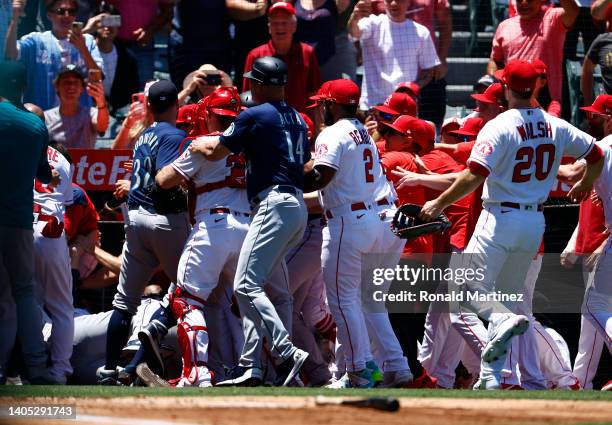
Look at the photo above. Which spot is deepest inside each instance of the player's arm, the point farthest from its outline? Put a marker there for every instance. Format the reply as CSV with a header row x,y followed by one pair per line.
x,y
318,177
311,199
582,189
571,173
431,180
465,184
210,147
168,177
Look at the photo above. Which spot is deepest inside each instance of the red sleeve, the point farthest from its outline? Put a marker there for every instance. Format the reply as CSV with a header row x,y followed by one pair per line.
x,y
476,168
463,152
595,155
248,64
72,219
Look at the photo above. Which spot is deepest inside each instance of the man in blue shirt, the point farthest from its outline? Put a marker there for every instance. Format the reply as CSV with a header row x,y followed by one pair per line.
x,y
273,137
153,237
23,147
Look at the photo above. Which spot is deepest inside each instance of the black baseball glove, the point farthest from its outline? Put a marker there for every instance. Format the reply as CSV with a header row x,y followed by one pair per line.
x,y
168,201
407,224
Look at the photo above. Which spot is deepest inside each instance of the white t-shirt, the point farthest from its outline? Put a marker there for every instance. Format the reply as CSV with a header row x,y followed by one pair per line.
x,y
53,201
109,66
230,169
347,147
392,52
522,150
603,184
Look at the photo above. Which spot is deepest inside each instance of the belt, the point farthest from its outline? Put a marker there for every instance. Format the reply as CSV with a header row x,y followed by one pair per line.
x,y
282,188
357,206
526,207
314,216
228,211
53,228
384,201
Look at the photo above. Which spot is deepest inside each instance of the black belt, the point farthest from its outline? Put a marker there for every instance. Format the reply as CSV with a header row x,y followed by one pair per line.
x,y
314,216
280,188
518,206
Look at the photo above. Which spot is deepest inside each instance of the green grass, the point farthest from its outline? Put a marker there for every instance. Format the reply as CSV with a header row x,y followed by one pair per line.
x,y
102,391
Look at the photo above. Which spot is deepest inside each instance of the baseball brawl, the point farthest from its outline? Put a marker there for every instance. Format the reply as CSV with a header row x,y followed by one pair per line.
x,y
295,209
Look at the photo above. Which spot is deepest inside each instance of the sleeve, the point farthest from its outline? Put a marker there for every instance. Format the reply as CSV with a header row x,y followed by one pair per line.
x,y
578,144
328,150
365,27
497,49
168,149
593,53
72,218
239,132
26,45
43,171
94,51
388,160
464,151
554,14
488,151
186,165
428,57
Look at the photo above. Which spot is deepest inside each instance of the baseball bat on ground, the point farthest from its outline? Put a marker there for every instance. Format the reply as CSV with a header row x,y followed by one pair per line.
x,y
386,404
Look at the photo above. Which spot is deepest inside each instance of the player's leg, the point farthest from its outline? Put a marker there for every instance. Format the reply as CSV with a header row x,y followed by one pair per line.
x,y
554,358
8,320
52,269
598,298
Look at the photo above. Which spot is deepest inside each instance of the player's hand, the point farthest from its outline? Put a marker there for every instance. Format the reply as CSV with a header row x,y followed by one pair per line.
x,y
421,165
55,180
430,210
96,90
122,189
590,261
144,36
202,146
580,191
595,199
371,125
568,259
408,178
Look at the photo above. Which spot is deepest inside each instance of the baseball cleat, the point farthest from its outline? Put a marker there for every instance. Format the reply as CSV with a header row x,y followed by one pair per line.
x,y
498,345
375,373
287,370
361,379
150,378
423,381
397,379
242,377
608,386
149,338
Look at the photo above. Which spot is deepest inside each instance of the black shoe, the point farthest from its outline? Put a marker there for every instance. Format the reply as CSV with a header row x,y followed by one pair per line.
x,y
149,378
242,377
150,337
287,370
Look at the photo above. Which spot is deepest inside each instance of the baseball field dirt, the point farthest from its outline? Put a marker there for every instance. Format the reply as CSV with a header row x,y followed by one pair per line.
x,y
126,406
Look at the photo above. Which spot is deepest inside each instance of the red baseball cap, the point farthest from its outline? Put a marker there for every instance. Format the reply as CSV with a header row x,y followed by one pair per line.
x,y
342,91
223,101
398,104
493,94
519,75
539,66
601,106
470,128
421,131
320,96
186,114
450,122
281,6
408,87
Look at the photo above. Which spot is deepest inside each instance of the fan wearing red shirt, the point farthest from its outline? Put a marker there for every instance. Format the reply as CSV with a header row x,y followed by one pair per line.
x,y
304,74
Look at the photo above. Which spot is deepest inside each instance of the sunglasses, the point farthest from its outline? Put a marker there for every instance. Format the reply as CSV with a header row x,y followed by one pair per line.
x,y
62,11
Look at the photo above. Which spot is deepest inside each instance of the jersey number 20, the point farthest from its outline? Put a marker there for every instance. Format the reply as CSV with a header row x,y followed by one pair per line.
x,y
544,158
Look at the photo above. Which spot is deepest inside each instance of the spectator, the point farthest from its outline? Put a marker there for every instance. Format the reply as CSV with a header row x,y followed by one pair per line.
x,y
436,16
316,25
140,20
26,158
250,29
116,59
535,33
44,53
599,54
343,64
586,26
71,124
304,78
200,34
197,84
9,16
139,118
395,49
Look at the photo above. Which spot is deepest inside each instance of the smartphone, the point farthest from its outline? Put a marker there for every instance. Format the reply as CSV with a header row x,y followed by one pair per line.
x,y
138,97
213,79
111,21
94,76
77,26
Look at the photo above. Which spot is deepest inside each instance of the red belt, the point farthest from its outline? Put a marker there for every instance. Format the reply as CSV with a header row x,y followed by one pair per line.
x,y
357,206
385,201
518,206
53,228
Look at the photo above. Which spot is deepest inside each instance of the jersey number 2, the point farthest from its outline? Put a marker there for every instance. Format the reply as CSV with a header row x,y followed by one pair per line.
x,y
368,160
544,158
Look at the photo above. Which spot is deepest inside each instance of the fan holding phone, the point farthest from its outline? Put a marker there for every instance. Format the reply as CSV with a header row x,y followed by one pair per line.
x,y
202,82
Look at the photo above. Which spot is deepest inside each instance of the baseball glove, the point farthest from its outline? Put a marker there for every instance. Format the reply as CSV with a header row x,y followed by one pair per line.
x,y
170,201
407,224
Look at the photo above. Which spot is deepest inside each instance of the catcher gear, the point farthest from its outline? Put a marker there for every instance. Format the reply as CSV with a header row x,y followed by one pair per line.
x,y
223,101
406,223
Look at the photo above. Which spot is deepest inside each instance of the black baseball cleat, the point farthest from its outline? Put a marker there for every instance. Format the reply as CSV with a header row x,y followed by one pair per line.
x,y
150,378
242,377
287,370
150,337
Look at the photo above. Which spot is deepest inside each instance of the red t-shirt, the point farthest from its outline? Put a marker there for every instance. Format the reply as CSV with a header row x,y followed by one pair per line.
x,y
304,76
591,227
412,195
81,217
441,163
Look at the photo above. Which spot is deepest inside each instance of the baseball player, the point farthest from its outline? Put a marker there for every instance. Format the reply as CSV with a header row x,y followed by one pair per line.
x,y
347,167
273,138
516,155
52,260
210,255
152,237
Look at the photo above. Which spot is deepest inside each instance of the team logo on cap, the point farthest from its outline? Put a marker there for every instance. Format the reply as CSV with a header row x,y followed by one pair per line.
x,y
483,148
229,131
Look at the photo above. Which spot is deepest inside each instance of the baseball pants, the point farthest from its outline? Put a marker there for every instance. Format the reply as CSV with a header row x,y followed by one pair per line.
x,y
278,224
19,314
54,279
